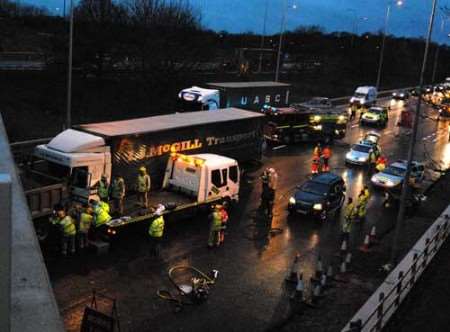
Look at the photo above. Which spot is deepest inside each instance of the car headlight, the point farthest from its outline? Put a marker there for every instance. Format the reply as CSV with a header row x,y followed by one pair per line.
x,y
362,159
317,206
292,200
389,183
317,118
394,94
318,127
402,95
348,155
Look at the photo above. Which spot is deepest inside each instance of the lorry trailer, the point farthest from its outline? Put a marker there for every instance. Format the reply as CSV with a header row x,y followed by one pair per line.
x,y
246,95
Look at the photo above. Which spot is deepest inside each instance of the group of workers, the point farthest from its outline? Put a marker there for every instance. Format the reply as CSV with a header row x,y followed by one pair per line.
x,y
355,211
269,180
78,223
321,159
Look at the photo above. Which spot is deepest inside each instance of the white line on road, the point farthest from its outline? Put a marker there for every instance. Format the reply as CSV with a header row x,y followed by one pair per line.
x,y
279,147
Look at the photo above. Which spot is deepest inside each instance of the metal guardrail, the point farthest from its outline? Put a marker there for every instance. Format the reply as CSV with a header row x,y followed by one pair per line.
x,y
22,150
380,307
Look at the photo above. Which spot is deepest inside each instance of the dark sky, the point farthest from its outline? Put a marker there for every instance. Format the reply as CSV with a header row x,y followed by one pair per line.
x,y
410,19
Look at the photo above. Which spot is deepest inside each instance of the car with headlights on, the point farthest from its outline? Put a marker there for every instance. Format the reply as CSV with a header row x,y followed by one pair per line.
x,y
400,95
375,115
359,153
394,174
321,196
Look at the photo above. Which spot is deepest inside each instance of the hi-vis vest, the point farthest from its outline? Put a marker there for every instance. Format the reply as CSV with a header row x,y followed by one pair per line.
x,y
101,216
156,228
103,190
217,221
104,206
68,226
85,222
143,183
118,188
350,211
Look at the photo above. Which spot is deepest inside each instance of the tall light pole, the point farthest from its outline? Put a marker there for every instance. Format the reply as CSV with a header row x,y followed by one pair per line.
x,y
69,72
280,42
436,54
386,21
412,143
261,46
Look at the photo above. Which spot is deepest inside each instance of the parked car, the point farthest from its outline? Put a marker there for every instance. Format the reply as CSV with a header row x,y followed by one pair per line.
x,y
376,115
321,196
359,154
394,174
371,137
400,95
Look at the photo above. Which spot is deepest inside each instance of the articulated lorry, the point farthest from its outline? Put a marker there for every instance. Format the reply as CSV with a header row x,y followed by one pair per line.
x,y
192,159
246,95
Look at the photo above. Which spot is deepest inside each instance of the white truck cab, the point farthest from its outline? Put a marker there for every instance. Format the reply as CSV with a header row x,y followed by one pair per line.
x,y
203,176
196,98
85,156
364,96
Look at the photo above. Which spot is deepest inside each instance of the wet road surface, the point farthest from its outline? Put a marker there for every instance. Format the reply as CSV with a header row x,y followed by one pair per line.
x,y
250,292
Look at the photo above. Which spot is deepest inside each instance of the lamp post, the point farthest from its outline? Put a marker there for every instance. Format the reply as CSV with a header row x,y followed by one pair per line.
x,y
262,37
386,22
69,71
412,142
280,41
436,54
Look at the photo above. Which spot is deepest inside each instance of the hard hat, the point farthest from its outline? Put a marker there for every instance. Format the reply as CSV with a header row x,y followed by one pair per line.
x,y
142,169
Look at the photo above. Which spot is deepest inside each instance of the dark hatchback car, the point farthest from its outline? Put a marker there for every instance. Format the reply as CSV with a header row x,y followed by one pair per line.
x,y
321,196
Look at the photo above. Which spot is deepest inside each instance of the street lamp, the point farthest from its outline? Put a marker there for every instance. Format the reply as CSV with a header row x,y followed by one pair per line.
x,y
280,41
262,37
436,54
386,21
69,71
412,142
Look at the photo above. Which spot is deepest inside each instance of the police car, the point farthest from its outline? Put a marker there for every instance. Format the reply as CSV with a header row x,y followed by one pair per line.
x,y
375,116
394,174
359,153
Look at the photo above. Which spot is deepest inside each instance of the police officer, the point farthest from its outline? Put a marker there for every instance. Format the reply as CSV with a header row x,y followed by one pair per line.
x,y
118,194
68,232
362,205
156,232
144,184
103,189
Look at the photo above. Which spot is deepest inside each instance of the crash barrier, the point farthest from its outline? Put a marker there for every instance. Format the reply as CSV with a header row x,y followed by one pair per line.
x,y
380,307
22,150
384,93
33,306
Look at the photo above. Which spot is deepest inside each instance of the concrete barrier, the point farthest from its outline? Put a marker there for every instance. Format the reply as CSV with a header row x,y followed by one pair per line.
x,y
384,302
33,305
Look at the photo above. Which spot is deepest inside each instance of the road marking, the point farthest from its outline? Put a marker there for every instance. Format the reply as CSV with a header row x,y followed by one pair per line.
x,y
279,147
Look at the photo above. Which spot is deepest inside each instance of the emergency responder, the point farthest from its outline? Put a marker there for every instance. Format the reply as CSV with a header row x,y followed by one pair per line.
x,y
144,184
381,163
156,232
101,216
352,112
103,189
367,192
266,192
361,206
118,194
315,165
86,220
326,155
317,152
349,217
273,184
224,215
68,232
215,226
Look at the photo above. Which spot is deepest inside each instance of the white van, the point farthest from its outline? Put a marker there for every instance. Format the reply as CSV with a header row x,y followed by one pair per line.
x,y
365,96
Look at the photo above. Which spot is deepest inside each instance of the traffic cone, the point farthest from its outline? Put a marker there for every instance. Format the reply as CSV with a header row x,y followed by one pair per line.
x,y
323,281
348,258
373,235
366,244
299,290
319,268
293,274
330,272
315,293
343,248
343,268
